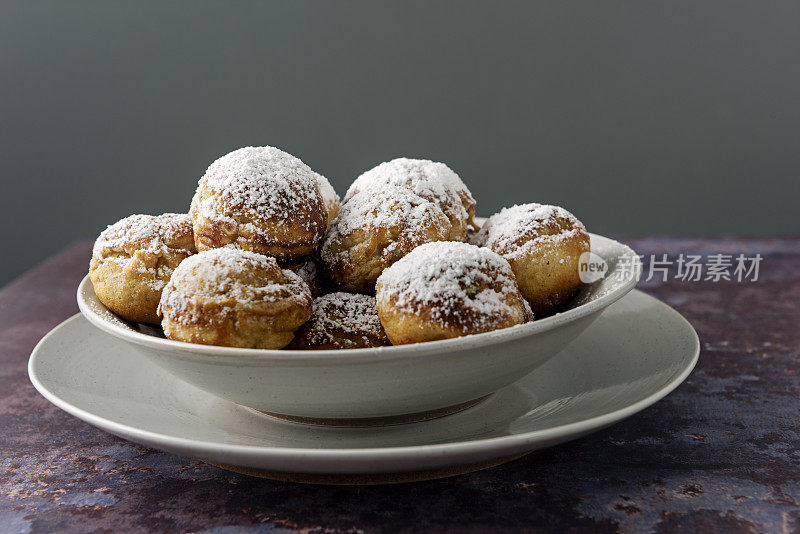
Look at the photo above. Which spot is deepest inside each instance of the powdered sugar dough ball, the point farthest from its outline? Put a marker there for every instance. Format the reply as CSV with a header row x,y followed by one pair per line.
x,y
133,259
543,244
446,290
260,199
342,321
430,180
234,298
377,226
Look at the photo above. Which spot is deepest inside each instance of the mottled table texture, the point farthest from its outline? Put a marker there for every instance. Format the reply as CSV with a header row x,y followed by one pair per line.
x,y
719,454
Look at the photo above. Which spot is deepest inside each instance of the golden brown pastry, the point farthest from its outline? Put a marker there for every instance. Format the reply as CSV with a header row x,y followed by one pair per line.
x,y
342,321
263,200
376,227
432,181
234,298
329,197
543,244
446,290
133,259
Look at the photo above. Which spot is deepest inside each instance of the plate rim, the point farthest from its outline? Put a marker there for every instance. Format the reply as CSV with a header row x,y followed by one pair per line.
x,y
249,455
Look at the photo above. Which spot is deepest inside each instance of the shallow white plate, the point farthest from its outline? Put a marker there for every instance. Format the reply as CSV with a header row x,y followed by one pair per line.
x,y
636,352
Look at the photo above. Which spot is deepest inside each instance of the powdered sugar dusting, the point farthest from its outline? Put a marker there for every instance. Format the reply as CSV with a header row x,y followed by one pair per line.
x,y
385,206
351,314
456,283
146,244
431,180
230,277
153,233
261,183
380,207
522,229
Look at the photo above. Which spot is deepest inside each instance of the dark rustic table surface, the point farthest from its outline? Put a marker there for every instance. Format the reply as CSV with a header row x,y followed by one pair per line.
x,y
721,453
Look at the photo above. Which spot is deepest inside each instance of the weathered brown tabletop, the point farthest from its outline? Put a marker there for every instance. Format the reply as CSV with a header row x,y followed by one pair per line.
x,y
721,453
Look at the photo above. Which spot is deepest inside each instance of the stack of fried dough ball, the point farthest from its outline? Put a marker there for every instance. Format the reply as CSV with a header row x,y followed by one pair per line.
x,y
269,258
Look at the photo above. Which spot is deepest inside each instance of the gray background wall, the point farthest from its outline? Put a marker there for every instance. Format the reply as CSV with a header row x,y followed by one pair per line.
x,y
640,117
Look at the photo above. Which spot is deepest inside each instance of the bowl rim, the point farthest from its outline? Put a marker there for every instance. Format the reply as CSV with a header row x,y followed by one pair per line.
x,y
235,355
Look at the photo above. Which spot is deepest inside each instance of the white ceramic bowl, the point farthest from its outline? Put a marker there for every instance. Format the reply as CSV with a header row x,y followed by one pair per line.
x,y
402,383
